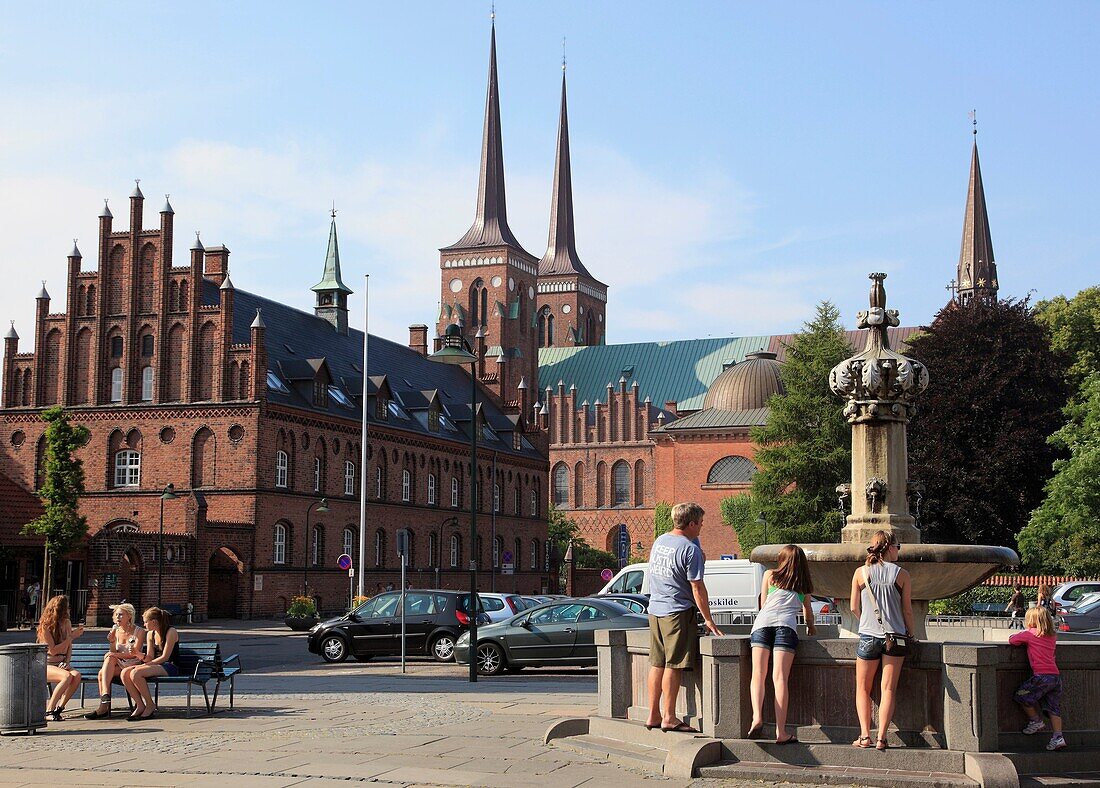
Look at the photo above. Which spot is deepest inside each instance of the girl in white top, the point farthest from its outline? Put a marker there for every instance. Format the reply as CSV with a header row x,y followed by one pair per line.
x,y
785,595
125,641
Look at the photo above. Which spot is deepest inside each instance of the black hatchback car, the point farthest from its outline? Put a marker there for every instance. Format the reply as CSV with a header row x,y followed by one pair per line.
x,y
433,622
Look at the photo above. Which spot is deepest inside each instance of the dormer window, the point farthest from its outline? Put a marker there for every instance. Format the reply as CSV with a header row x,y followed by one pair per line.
x,y
382,408
320,393
433,419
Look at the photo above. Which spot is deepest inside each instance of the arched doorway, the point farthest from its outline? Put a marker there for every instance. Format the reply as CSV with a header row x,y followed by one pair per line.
x,y
223,584
129,578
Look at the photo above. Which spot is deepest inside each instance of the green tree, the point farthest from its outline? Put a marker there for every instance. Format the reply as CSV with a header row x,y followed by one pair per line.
x,y
63,483
979,439
1074,326
1063,535
740,513
560,531
662,518
805,449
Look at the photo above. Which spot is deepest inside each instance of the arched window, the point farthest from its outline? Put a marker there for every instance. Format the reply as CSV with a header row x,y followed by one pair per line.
x,y
378,482
456,550
578,485
496,497
433,550
498,548
549,330
116,347
349,542
316,474
379,547
534,503
147,346
278,555
127,468
349,478
454,492
534,553
479,304
282,465
146,384
116,384
639,483
620,484
732,470
601,484
406,486
431,489
315,546
561,485
203,453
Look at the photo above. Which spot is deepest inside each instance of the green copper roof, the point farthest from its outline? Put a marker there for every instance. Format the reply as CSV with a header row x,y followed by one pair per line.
x,y
679,371
331,280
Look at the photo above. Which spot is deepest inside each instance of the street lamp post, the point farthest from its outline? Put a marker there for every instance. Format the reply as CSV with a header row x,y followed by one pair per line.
x,y
454,352
169,494
764,523
322,506
439,547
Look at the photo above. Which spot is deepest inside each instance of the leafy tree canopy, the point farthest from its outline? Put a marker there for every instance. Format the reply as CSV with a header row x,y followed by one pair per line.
x,y
739,512
805,449
1074,326
662,518
561,531
979,439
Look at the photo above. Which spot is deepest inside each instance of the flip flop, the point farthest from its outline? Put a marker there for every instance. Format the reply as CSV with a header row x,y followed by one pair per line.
x,y
792,739
683,727
859,743
754,731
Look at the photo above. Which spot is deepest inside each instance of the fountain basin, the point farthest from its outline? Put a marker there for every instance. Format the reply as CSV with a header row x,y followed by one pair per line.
x,y
937,571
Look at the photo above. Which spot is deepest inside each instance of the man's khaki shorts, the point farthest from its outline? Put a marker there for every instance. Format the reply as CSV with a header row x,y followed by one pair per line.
x,y
673,640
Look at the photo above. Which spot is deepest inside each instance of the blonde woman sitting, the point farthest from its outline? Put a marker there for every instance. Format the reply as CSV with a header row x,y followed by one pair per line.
x,y
124,645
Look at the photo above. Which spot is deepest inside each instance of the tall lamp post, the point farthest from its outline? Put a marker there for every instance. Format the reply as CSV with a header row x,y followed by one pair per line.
x,y
322,506
764,524
453,351
169,494
439,547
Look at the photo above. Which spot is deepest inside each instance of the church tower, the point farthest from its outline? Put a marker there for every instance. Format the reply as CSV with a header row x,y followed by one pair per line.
x,y
977,274
572,303
332,293
489,281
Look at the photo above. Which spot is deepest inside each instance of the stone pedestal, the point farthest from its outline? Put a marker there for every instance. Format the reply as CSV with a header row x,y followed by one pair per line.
x,y
879,462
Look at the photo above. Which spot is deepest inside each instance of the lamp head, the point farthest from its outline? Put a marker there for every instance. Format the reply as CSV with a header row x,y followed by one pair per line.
x,y
169,493
452,350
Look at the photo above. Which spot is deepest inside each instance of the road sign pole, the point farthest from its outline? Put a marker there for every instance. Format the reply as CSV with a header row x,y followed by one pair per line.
x,y
351,588
404,563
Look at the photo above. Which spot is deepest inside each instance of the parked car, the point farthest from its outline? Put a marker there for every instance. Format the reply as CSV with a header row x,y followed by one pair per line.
x,y
1082,618
1066,594
1087,599
433,622
560,633
823,606
534,600
501,607
733,586
635,603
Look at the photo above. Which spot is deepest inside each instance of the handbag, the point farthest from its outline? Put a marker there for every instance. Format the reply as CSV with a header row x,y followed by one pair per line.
x,y
897,645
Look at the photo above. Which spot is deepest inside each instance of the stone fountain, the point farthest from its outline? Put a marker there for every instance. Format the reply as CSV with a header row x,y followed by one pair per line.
x,y
880,387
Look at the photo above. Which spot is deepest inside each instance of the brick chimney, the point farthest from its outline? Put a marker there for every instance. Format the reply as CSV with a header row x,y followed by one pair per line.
x,y
216,267
418,338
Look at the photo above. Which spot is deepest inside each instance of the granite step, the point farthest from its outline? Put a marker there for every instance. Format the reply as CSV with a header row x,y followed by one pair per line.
x,y
835,775
1066,780
1041,762
635,756
803,754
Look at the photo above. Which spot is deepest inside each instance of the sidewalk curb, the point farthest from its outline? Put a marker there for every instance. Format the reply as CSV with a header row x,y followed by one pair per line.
x,y
562,729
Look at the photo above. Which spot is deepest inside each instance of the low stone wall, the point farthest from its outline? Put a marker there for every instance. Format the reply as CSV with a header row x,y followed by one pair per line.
x,y
957,696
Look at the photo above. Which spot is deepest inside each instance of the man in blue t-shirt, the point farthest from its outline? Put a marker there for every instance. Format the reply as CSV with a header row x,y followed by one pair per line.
x,y
676,591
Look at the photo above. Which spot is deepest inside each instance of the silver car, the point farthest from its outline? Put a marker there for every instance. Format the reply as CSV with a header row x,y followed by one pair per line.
x,y
501,607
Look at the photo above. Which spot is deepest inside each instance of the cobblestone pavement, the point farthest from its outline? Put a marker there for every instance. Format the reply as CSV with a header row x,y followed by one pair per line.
x,y
318,724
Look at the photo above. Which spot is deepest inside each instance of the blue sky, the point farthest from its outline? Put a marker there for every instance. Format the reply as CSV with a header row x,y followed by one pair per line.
x,y
733,163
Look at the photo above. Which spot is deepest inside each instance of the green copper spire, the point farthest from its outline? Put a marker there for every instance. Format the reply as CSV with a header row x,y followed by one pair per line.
x,y
331,280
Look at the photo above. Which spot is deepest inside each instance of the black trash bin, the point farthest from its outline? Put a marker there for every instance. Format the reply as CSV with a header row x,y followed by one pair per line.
x,y
23,691
3,618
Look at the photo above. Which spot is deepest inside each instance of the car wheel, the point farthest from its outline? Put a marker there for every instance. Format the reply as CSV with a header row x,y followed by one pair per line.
x,y
490,659
334,648
443,648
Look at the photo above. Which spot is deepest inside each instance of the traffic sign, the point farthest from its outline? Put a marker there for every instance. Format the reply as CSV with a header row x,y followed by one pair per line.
x,y
606,575
727,557
507,568
403,541
344,561
351,571
624,545
507,557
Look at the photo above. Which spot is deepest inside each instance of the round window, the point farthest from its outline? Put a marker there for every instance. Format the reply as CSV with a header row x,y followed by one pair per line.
x,y
531,293
236,432
566,309
496,281
167,435
456,285
18,437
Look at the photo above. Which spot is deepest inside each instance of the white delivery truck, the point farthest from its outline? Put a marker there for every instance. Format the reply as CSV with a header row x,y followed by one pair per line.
x,y
733,586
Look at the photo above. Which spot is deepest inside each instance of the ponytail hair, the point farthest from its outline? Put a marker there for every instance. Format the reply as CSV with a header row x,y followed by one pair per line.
x,y
880,543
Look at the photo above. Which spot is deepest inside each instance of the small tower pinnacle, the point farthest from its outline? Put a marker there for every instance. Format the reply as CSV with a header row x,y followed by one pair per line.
x,y
332,293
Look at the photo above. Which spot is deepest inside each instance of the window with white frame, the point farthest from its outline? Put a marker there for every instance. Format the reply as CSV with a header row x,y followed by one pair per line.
x,y
316,474
454,550
349,541
278,555
431,489
534,553
116,384
127,468
379,547
146,384
406,486
498,547
534,504
349,478
496,497
454,492
433,550
378,482
315,546
282,465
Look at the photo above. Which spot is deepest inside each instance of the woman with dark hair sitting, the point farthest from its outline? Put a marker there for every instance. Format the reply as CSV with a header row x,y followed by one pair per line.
x,y
160,653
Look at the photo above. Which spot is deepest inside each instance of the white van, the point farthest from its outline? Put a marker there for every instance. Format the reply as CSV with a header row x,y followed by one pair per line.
x,y
733,586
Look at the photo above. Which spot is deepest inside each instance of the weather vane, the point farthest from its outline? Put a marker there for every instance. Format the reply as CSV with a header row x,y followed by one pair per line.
x,y
974,120
493,11
563,53
333,212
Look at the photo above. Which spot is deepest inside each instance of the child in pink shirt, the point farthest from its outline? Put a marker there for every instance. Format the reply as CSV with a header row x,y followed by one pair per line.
x,y
1044,688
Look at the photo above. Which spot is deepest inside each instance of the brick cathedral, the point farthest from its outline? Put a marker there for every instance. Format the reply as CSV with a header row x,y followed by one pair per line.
x,y
253,411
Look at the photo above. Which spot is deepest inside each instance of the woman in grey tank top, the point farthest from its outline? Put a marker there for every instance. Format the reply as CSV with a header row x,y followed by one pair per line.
x,y
883,582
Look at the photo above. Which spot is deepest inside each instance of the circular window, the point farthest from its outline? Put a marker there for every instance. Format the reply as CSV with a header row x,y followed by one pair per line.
x,y
566,309
600,318
456,285
236,432
580,310
18,437
167,435
496,281
336,446
531,293
511,283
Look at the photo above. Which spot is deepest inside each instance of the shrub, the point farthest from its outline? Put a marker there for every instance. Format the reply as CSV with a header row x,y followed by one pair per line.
x,y
302,607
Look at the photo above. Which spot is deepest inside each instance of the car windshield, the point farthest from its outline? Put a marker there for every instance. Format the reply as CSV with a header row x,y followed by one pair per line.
x,y
1087,599
1085,607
